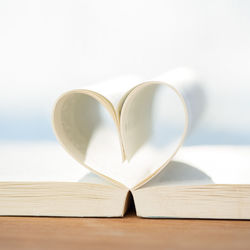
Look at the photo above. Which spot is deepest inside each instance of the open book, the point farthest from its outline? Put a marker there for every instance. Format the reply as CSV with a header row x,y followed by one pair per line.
x,y
127,136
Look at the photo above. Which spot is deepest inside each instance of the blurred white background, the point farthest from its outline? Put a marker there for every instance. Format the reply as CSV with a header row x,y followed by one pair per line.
x,y
48,47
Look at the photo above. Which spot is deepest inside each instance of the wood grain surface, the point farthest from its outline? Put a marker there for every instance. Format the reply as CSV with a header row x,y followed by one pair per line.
x,y
129,232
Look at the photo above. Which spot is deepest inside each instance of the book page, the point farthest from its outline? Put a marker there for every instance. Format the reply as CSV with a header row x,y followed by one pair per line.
x,y
156,117
127,140
41,161
205,165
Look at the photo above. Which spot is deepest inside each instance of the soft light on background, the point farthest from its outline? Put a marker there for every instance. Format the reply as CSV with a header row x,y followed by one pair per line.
x,y
48,47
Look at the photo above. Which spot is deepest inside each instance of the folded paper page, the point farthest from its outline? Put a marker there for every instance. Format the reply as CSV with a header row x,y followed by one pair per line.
x,y
131,140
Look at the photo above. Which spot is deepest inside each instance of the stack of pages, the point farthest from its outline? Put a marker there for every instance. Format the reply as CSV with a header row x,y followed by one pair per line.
x,y
129,138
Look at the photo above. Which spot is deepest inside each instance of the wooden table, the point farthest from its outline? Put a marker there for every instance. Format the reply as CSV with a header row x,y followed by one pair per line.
x,y
129,233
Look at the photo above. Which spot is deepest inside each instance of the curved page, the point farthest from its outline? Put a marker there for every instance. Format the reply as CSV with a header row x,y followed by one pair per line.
x,y
128,139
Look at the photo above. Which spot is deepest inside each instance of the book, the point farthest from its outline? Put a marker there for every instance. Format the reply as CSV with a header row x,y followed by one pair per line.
x,y
128,137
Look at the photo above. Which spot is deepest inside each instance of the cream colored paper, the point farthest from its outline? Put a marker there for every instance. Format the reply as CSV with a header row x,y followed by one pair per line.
x,y
131,136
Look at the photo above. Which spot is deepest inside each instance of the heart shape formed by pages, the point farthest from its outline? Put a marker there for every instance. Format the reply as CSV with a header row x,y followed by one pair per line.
x,y
127,143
